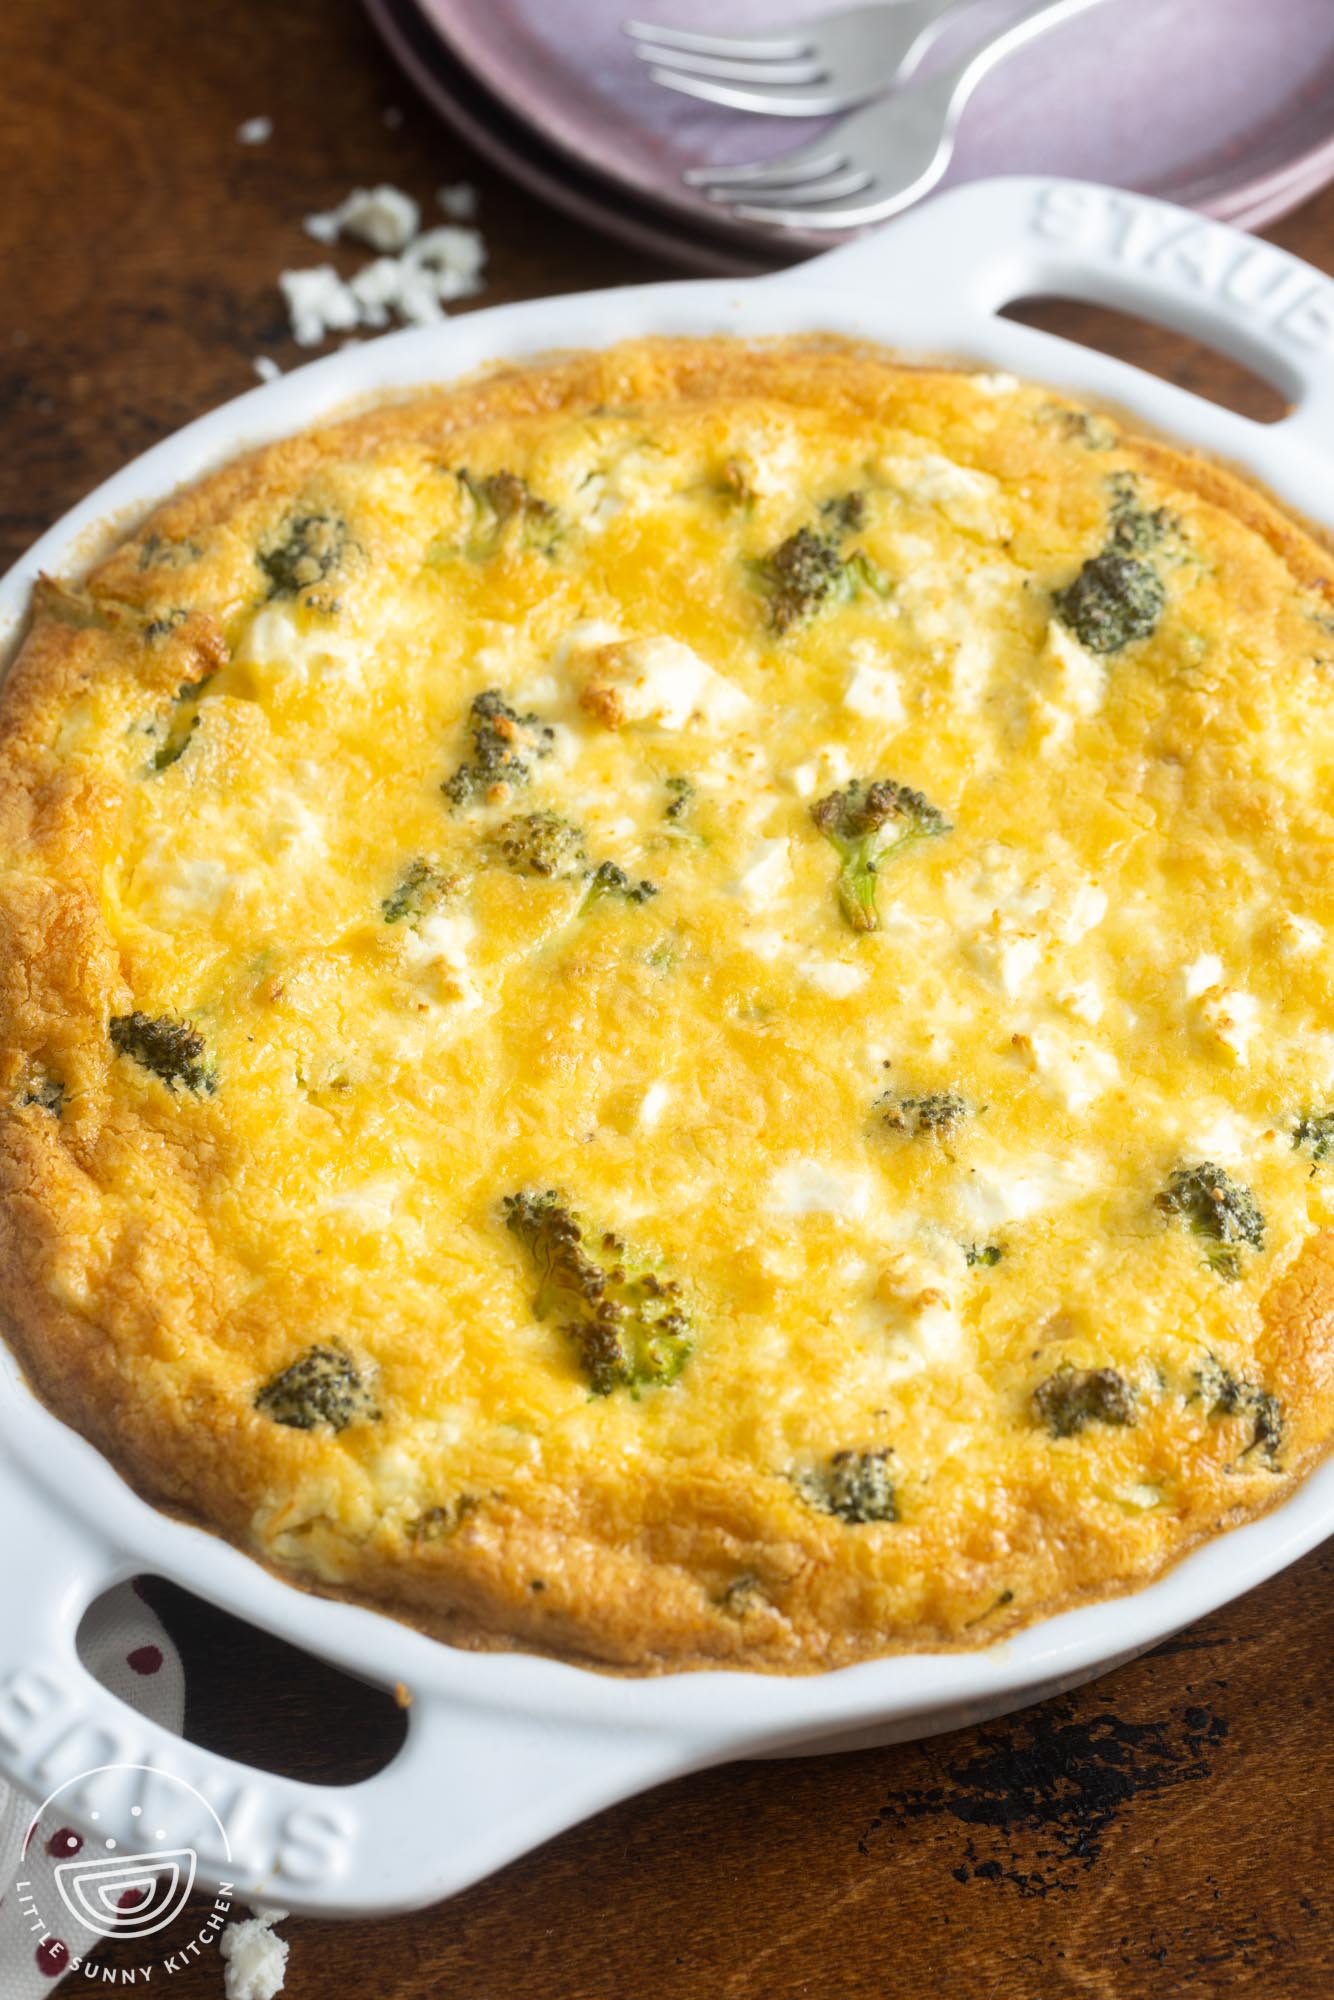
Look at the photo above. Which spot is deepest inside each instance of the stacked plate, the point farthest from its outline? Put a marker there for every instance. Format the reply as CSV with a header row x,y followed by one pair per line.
x,y
1224,105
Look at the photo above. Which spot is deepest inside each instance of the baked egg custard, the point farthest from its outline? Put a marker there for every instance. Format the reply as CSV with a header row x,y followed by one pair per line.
x,y
675,1007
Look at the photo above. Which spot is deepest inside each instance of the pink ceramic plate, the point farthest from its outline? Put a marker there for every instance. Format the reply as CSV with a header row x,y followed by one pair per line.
x,y
499,137
1222,105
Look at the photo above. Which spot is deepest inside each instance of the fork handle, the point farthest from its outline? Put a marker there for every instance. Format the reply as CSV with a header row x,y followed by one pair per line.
x,y
958,259
956,84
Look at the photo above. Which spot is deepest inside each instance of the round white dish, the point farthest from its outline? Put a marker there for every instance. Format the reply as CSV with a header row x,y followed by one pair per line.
x,y
505,1750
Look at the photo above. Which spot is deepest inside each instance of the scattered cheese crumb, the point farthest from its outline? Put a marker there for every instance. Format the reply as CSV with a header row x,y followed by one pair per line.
x,y
459,201
266,368
255,1960
653,1103
874,689
383,216
833,977
809,1187
1202,974
255,131
318,302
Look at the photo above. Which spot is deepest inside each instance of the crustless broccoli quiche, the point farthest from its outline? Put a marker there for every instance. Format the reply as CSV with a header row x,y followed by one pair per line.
x,y
677,1006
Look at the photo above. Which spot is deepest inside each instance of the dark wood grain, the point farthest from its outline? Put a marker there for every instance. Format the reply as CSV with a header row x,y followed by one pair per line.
x,y
1166,1832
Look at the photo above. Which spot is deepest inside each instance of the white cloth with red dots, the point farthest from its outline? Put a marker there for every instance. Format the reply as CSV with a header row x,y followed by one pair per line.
x,y
123,1643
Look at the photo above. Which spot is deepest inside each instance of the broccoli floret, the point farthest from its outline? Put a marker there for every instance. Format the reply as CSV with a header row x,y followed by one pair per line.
x,y
1073,1397
1136,530
421,888
1314,1134
988,1254
609,879
916,1117
628,1326
1114,600
808,571
173,1050
856,1486
43,1090
310,548
1224,1395
181,725
1084,427
846,513
866,824
499,498
1216,1207
681,797
540,843
322,1388
503,741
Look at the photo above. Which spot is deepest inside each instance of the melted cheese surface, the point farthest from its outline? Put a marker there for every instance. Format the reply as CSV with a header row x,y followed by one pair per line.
x,y
1117,958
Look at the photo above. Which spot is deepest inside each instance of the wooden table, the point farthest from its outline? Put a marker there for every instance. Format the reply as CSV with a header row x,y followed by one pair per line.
x,y
1166,1832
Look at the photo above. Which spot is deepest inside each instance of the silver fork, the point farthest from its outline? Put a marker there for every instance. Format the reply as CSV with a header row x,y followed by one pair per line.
x,y
811,70
881,158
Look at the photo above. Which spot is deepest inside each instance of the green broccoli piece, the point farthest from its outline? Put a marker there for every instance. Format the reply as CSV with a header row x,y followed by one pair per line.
x,y
173,1050
540,843
1137,530
1213,1205
1225,1395
988,1254
1073,1397
628,1326
808,572
503,741
309,548
855,1486
421,888
682,797
498,498
846,513
1114,600
1314,1134
322,1389
932,1116
866,825
609,879
43,1090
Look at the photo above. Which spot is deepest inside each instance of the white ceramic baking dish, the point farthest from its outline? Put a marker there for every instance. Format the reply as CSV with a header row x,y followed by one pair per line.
x,y
504,1751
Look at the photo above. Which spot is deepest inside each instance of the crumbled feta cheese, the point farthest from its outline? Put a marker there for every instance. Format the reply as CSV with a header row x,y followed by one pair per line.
x,y
652,1105
383,216
1202,974
765,874
657,681
254,1960
920,1319
874,689
1068,686
255,132
281,647
372,1205
1297,936
1021,1188
453,257
1076,1072
1004,954
809,1187
963,495
1083,1000
266,368
459,201
1230,1016
834,977
995,384
318,302
830,767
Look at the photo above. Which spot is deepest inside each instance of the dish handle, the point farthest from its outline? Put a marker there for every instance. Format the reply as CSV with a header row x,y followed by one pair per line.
x,y
990,242
472,1786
